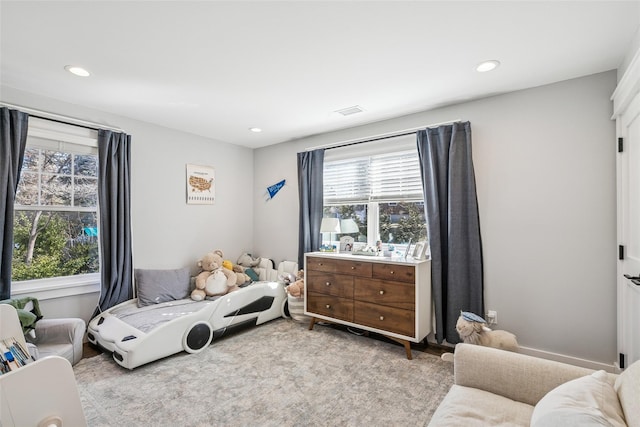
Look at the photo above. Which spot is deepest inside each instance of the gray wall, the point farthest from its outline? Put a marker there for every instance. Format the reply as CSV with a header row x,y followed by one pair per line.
x,y
167,233
545,169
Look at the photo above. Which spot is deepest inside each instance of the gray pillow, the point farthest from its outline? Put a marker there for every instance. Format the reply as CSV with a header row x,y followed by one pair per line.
x,y
156,286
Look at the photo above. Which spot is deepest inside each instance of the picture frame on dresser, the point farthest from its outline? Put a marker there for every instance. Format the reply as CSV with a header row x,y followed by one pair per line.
x,y
419,251
346,244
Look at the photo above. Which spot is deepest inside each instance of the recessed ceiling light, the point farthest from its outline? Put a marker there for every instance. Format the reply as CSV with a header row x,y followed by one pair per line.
x,y
256,130
487,66
78,71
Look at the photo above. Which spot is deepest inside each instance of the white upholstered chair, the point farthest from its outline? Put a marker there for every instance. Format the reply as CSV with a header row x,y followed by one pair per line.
x,y
54,337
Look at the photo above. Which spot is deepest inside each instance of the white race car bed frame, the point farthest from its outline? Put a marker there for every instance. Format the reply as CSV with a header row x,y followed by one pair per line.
x,y
141,335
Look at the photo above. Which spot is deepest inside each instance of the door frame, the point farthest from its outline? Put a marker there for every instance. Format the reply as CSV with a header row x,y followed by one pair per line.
x,y
627,92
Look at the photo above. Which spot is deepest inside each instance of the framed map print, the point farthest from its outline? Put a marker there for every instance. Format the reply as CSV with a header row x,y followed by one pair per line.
x,y
201,188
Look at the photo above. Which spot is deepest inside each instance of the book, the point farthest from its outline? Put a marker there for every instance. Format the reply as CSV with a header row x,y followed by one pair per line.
x,y
13,355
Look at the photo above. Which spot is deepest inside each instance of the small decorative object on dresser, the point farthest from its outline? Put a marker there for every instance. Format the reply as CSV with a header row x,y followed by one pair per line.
x,y
388,296
346,244
420,251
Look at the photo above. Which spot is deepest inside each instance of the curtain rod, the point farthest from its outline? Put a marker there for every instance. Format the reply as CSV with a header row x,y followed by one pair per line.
x,y
44,115
396,134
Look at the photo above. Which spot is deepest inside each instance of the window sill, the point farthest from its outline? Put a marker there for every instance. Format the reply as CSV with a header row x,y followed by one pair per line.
x,y
58,287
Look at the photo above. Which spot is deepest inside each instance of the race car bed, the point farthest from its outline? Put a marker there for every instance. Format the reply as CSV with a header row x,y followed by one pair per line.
x,y
138,335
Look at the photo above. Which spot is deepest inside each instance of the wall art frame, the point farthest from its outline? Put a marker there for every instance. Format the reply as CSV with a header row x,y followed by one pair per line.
x,y
201,185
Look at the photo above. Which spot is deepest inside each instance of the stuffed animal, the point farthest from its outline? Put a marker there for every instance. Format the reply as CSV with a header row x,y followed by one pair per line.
x,y
246,260
472,330
214,279
296,289
242,276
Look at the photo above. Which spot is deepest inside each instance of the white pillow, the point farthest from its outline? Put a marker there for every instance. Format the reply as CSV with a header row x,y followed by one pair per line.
x,y
586,401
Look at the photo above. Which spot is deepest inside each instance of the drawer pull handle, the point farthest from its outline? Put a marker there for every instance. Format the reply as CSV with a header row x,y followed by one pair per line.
x,y
328,283
352,267
391,272
320,264
381,317
381,292
327,306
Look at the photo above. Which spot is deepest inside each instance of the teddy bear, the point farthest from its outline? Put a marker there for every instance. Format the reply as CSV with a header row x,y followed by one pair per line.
x,y
471,329
296,289
214,279
240,272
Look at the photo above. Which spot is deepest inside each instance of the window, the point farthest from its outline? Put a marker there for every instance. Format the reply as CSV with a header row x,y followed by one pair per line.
x,y
56,209
380,190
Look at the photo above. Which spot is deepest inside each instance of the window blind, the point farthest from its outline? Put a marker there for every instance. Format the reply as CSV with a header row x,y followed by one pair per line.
x,y
61,137
382,178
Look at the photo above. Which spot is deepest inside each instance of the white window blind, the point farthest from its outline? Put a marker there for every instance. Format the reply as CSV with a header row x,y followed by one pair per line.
x,y
346,181
55,136
380,177
395,177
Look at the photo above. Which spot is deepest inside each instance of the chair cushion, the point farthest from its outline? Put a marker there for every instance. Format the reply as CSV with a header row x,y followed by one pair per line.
x,y
62,350
628,388
587,401
470,407
156,286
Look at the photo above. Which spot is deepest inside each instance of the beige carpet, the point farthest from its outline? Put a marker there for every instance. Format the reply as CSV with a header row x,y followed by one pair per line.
x,y
276,374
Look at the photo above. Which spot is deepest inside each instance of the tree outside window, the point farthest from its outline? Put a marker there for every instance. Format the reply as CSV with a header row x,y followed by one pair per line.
x,y
401,222
55,222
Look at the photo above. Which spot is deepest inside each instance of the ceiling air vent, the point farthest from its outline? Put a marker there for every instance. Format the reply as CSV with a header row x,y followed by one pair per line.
x,y
350,110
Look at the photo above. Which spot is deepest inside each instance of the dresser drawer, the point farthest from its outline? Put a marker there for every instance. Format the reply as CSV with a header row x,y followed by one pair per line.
x,y
351,267
385,318
330,284
401,273
385,292
331,306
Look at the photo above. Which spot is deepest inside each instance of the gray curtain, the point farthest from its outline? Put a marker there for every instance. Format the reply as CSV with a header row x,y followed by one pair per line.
x,y
453,225
114,193
310,176
13,140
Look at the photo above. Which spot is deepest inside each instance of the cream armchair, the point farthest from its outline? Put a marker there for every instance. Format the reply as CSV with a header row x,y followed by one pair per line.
x,y
58,337
51,337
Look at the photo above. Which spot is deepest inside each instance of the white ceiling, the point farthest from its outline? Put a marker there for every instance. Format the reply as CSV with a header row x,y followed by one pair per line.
x,y
216,68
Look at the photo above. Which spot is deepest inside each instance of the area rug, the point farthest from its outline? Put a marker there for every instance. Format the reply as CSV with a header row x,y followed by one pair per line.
x,y
276,374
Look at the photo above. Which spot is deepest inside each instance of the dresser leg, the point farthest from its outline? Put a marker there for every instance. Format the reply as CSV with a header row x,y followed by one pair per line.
x,y
407,348
312,322
405,343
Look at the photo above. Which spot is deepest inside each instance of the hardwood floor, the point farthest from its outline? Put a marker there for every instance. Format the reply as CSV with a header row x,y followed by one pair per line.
x,y
90,350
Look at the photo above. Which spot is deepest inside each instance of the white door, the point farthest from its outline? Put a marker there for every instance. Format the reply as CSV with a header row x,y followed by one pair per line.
x,y
628,170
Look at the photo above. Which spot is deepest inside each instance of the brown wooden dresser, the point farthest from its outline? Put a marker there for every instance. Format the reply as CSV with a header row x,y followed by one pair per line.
x,y
378,294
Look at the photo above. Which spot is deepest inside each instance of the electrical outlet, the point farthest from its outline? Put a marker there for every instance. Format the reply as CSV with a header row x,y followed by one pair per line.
x,y
492,317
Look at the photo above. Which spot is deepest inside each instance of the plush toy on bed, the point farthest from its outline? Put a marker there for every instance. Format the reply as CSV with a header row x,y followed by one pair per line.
x,y
214,279
472,329
241,277
246,260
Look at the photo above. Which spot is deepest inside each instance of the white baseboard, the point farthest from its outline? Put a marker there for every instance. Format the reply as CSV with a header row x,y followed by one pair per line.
x,y
576,361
